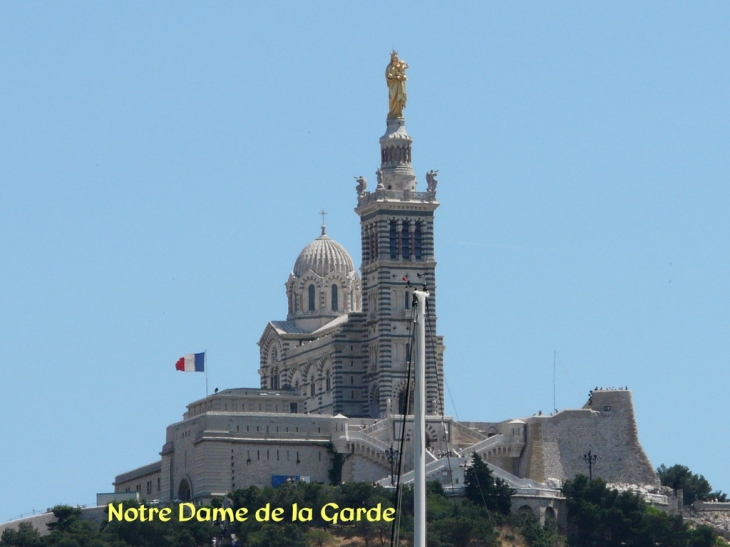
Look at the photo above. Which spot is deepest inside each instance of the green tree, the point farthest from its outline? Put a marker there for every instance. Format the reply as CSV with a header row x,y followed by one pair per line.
x,y
318,537
438,506
603,517
338,462
704,536
71,530
483,489
694,486
536,535
275,535
596,515
66,517
659,528
456,531
24,536
157,533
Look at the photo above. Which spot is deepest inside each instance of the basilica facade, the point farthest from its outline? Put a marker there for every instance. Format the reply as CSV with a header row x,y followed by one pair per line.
x,y
345,344
334,376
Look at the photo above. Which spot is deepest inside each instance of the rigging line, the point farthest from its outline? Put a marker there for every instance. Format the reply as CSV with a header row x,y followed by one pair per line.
x,y
481,491
456,412
442,405
407,409
395,533
395,530
479,486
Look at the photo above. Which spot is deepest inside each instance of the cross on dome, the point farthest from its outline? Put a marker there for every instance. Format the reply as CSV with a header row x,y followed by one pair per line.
x,y
324,228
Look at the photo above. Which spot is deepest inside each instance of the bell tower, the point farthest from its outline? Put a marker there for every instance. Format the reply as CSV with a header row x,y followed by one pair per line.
x,y
397,237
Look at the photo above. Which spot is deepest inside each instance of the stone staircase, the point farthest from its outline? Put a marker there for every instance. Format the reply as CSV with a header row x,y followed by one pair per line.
x,y
463,436
495,446
434,469
357,441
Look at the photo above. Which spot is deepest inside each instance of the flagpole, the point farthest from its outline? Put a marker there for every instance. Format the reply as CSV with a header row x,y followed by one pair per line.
x,y
205,366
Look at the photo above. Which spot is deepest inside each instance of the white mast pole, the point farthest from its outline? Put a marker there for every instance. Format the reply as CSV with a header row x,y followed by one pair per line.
x,y
419,422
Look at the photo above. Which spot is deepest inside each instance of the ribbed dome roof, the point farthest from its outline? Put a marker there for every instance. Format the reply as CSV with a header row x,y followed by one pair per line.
x,y
322,256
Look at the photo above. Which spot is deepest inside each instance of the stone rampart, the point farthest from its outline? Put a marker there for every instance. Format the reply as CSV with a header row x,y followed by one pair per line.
x,y
606,425
41,521
700,505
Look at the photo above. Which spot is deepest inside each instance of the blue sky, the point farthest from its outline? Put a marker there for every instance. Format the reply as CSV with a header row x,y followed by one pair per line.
x,y
163,163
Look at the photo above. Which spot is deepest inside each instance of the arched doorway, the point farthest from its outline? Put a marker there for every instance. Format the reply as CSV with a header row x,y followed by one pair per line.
x,y
526,509
184,492
403,401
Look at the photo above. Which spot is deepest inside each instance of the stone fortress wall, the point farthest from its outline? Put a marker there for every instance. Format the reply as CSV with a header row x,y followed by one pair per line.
x,y
216,450
606,426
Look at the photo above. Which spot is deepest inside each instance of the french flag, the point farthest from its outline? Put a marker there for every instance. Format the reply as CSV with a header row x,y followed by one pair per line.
x,y
192,362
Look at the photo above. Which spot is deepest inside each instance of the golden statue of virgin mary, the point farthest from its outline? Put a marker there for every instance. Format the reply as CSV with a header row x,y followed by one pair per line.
x,y
395,76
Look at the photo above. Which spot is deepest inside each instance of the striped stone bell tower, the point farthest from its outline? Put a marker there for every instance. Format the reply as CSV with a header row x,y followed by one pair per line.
x,y
397,233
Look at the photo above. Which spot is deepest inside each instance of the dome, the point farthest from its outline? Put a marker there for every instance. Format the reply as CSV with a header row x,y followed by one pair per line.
x,y
322,256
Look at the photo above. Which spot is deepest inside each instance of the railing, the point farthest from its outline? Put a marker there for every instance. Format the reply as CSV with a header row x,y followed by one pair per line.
x,y
431,468
377,427
538,492
367,439
33,513
493,442
467,430
523,487
701,505
657,499
369,197
482,445
514,481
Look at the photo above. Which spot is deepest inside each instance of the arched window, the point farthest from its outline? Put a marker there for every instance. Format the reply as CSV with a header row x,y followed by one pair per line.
x,y
311,298
374,242
311,387
334,298
418,251
329,381
406,241
275,378
393,241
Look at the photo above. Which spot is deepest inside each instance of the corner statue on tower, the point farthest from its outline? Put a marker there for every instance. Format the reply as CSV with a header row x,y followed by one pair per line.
x,y
395,76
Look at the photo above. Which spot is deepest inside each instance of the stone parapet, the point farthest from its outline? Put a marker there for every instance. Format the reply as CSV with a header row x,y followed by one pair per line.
x,y
396,195
41,521
700,506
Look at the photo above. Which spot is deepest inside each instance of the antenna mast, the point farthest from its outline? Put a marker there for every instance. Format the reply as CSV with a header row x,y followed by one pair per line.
x,y
419,422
